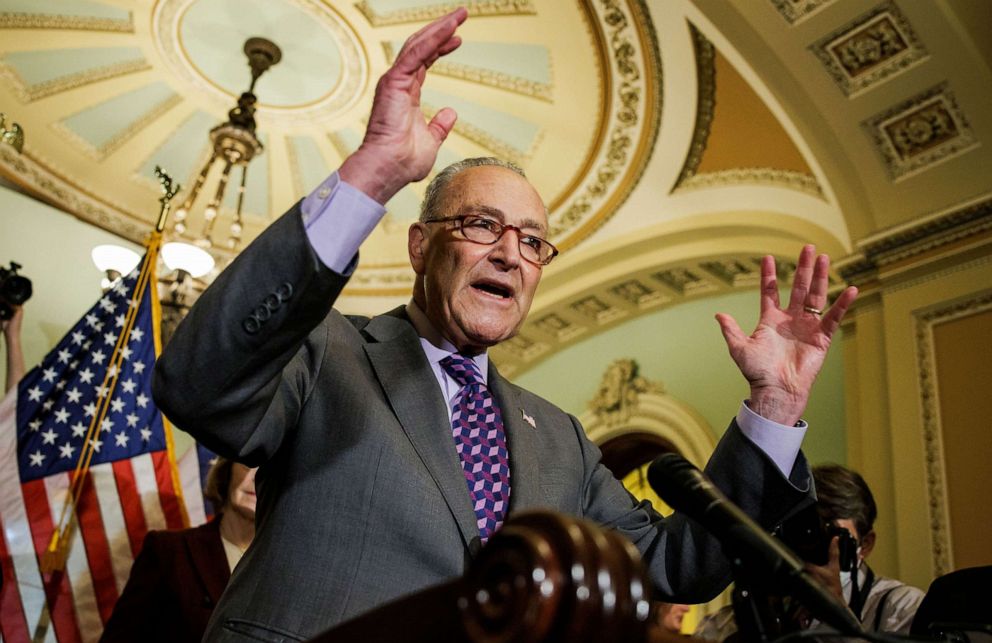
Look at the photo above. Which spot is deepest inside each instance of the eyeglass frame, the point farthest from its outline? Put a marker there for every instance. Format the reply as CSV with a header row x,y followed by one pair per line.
x,y
503,227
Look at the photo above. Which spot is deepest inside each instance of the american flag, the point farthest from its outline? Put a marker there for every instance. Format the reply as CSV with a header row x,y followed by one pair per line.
x,y
131,485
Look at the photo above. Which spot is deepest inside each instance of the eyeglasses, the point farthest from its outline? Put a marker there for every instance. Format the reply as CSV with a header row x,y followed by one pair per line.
x,y
487,231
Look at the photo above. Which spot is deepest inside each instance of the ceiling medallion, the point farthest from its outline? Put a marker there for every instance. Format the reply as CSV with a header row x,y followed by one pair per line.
x,y
330,96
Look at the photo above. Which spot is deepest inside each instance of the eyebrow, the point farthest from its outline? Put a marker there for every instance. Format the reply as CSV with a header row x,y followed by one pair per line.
x,y
496,213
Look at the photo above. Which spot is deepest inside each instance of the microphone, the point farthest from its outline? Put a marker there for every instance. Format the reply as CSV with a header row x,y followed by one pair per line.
x,y
687,490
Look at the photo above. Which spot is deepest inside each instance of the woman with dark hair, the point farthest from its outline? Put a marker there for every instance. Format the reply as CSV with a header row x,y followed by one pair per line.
x,y
179,575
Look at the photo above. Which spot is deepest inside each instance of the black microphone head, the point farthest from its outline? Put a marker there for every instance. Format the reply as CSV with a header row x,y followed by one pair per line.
x,y
674,478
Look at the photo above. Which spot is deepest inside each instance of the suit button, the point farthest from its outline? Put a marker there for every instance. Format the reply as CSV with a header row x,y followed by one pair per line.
x,y
272,302
262,314
285,291
251,325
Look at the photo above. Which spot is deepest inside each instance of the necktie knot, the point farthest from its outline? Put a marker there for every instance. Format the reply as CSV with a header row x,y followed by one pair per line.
x,y
461,369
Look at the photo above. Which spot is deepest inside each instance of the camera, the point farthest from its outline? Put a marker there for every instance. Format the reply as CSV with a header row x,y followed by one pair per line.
x,y
15,289
809,535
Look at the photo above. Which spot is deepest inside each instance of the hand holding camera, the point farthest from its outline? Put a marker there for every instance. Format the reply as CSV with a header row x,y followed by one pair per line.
x,y
15,289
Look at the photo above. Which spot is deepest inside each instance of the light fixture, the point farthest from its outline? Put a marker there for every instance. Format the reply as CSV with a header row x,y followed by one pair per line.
x,y
235,144
13,136
188,258
113,261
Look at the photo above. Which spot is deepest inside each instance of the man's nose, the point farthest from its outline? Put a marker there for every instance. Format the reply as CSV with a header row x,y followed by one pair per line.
x,y
506,250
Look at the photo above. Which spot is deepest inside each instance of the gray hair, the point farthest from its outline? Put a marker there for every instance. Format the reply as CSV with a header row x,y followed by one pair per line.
x,y
432,197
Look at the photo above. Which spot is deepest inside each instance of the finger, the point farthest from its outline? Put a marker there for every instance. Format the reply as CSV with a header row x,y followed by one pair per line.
x,y
832,318
442,123
423,48
817,297
732,332
833,556
769,284
802,278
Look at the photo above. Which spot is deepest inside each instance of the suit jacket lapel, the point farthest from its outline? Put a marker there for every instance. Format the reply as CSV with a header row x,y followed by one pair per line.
x,y
209,559
408,381
525,487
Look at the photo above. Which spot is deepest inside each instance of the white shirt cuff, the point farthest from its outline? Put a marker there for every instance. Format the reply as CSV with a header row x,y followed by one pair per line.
x,y
779,442
338,218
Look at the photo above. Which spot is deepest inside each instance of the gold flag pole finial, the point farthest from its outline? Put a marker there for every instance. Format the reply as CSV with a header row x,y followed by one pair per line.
x,y
168,192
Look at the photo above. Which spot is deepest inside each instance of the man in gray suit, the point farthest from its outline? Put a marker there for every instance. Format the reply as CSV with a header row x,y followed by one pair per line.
x,y
389,448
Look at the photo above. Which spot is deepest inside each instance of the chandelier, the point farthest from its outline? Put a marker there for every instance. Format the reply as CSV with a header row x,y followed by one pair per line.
x,y
234,144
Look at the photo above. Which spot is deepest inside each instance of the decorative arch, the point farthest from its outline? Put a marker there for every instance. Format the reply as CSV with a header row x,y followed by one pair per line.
x,y
628,404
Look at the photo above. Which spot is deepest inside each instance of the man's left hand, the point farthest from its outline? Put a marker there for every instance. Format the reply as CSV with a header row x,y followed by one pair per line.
x,y
784,354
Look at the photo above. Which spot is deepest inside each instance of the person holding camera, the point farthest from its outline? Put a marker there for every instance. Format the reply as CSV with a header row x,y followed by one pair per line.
x,y
882,604
835,547
15,289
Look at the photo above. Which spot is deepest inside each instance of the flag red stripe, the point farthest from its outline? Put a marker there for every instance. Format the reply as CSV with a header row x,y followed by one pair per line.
x,y
57,591
13,622
134,517
166,492
97,548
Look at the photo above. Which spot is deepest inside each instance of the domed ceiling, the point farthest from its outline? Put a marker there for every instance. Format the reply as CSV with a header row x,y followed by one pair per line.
x,y
674,141
111,90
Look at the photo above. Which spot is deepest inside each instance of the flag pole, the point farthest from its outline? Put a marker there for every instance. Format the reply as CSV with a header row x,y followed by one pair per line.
x,y
55,555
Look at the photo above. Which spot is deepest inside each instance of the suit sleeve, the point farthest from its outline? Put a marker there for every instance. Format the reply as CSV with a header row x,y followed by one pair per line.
x,y
241,364
685,563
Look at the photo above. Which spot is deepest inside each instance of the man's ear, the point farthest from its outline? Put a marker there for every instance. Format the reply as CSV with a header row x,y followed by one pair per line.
x,y
416,244
867,544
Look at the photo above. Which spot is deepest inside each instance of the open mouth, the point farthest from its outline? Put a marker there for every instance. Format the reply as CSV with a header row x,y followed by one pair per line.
x,y
493,289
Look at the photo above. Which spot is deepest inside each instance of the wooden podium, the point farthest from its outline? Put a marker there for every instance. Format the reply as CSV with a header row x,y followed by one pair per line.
x,y
543,577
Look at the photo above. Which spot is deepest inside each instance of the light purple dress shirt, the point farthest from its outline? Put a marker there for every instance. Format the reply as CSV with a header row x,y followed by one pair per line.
x,y
338,218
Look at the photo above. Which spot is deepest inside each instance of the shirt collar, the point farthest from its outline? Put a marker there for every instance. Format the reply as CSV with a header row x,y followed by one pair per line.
x,y
437,347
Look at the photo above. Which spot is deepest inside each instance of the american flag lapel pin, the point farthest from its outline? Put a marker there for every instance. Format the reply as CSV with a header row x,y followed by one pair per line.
x,y
528,419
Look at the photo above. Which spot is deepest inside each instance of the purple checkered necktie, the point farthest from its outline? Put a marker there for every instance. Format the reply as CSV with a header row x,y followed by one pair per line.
x,y
477,427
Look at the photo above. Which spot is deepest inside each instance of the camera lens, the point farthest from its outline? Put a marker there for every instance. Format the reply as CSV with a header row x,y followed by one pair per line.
x,y
16,290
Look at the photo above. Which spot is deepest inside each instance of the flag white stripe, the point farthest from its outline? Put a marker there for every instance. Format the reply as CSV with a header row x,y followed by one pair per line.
x,y
114,525
189,479
144,478
15,518
77,566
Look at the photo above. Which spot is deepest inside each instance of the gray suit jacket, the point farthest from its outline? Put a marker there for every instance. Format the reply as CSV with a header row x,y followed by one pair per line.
x,y
361,497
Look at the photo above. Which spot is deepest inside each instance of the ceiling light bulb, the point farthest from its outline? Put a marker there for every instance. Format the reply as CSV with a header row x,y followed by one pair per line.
x,y
117,258
210,212
184,256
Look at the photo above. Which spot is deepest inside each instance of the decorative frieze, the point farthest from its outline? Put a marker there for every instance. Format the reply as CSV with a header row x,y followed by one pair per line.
x,y
872,48
920,132
796,10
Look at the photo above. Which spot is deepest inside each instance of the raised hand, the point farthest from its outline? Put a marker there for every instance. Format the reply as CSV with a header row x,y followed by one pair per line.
x,y
784,354
400,145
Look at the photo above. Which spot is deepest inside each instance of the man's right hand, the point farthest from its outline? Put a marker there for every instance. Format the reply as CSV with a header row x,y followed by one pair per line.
x,y
400,146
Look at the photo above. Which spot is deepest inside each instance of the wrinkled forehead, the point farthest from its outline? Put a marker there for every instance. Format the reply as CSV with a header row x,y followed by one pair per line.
x,y
495,192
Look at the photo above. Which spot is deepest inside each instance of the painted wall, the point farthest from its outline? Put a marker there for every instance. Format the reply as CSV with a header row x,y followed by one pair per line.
x,y
53,249
682,348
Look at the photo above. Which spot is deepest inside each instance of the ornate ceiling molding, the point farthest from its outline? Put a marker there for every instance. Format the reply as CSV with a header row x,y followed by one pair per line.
x,y
168,14
601,306
882,251
635,105
870,49
28,93
13,20
423,14
920,132
26,172
795,11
